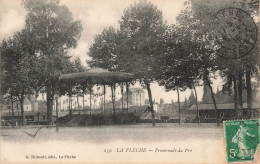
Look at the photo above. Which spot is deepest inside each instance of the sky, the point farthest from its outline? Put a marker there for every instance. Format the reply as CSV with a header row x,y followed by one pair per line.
x,y
95,16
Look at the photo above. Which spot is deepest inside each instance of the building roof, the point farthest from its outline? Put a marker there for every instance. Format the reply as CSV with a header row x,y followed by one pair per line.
x,y
32,98
255,105
136,90
98,76
26,101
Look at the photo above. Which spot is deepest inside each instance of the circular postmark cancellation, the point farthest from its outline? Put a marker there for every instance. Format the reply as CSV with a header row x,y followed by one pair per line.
x,y
235,33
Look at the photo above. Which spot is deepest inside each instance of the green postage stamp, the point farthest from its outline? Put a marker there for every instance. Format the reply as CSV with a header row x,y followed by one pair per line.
x,y
242,138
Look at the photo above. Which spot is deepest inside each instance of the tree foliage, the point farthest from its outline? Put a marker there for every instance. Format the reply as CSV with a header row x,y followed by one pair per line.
x,y
143,26
53,30
135,46
18,64
104,50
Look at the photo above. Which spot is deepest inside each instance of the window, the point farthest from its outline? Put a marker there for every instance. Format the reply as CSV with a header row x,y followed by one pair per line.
x,y
43,117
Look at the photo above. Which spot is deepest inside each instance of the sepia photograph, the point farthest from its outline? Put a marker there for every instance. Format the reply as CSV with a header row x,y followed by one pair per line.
x,y
129,81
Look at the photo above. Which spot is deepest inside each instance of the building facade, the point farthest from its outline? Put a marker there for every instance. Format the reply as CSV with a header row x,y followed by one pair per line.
x,y
29,104
135,97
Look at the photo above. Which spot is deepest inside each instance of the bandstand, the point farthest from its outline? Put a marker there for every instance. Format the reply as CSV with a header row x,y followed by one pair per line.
x,y
99,76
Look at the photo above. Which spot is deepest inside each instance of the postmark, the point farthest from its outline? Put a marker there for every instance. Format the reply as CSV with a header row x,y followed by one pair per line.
x,y
235,33
242,139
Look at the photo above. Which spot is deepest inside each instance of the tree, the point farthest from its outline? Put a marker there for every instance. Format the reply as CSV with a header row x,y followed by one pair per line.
x,y
17,62
79,87
179,69
53,31
143,27
199,17
72,87
104,50
239,71
104,53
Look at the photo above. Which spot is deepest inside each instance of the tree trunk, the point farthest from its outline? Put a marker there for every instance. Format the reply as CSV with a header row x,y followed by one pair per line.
x,y
179,105
196,99
78,103
113,98
17,106
38,113
235,92
122,92
70,105
21,98
12,101
57,114
249,92
83,98
127,97
67,104
150,100
114,87
50,97
90,102
213,98
83,103
104,101
240,92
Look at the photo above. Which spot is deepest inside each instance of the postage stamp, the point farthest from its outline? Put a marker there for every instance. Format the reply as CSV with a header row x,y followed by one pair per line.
x,y
242,139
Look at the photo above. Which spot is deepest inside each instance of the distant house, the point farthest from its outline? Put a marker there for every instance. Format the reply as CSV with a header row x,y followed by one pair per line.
x,y
31,117
146,116
226,110
225,105
135,97
170,112
223,98
7,106
29,104
32,112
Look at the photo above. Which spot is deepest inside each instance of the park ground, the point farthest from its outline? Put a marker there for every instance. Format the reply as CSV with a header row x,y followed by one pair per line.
x,y
188,143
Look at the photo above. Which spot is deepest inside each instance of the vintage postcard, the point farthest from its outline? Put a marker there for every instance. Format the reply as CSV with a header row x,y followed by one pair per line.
x,y
129,81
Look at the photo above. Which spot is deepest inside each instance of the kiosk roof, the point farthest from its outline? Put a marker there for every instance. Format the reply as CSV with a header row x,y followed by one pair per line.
x,y
98,76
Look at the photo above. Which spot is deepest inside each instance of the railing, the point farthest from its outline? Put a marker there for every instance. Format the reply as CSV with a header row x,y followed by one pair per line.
x,y
99,111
